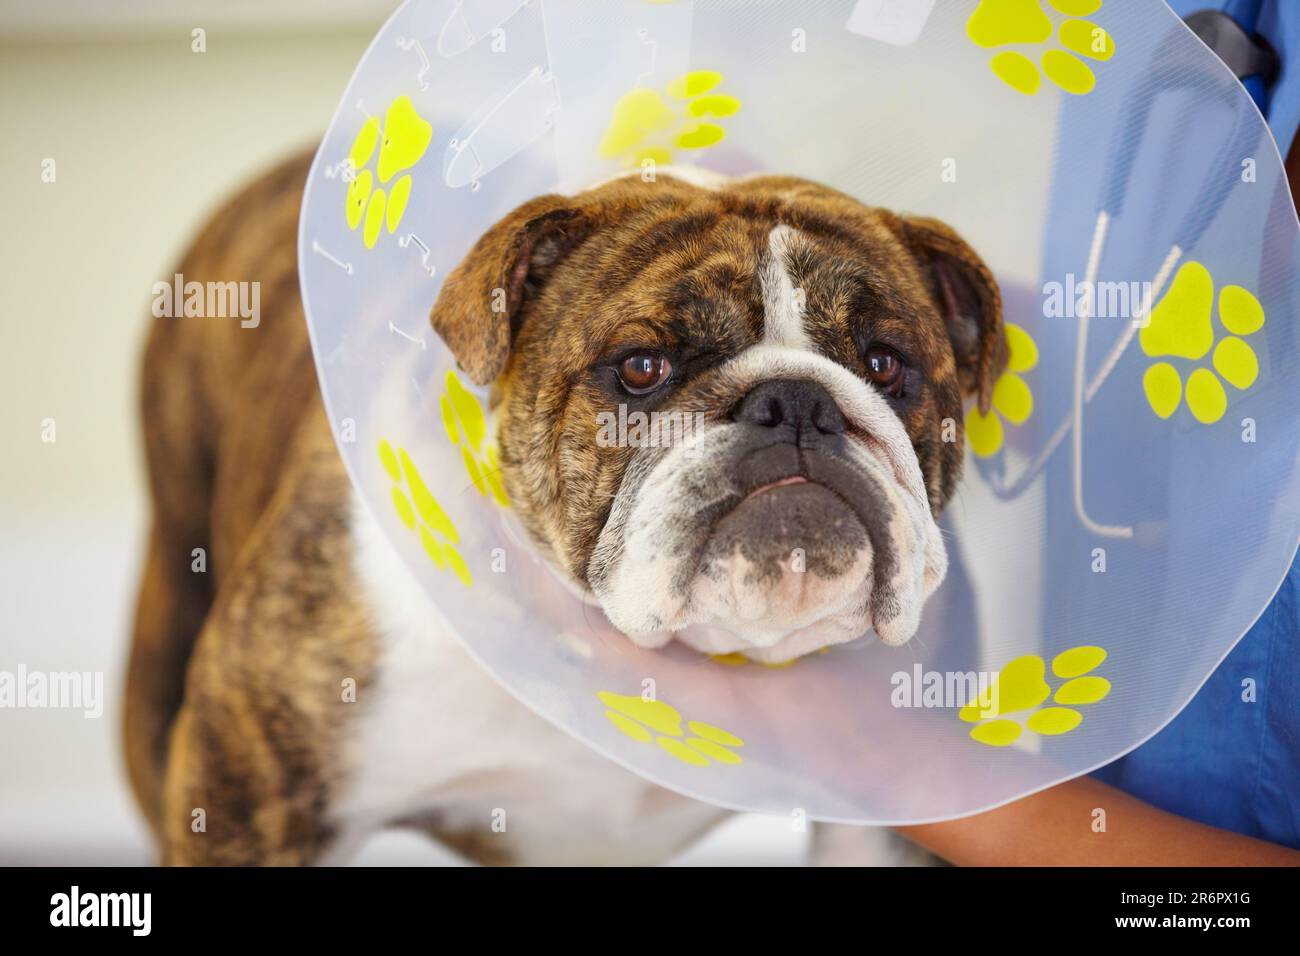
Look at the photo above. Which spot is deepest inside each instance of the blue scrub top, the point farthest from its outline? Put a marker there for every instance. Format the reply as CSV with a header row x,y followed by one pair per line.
x,y
1278,21
1231,759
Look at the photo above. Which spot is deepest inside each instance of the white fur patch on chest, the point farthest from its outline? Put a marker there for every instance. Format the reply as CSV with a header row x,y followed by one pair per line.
x,y
440,740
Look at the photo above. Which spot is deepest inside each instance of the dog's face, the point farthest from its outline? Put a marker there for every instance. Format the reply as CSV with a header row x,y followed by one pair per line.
x,y
807,358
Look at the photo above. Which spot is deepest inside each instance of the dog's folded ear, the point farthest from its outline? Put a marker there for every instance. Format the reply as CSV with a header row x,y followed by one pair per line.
x,y
477,311
967,294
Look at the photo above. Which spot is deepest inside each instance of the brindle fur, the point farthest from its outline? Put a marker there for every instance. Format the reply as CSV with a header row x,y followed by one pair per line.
x,y
674,266
233,699
235,673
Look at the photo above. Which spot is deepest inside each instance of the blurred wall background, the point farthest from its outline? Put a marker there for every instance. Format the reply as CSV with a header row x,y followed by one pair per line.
x,y
146,137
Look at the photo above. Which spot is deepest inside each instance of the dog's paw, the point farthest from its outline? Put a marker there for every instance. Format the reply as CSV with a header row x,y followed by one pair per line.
x,y
1181,327
997,23
1021,686
647,721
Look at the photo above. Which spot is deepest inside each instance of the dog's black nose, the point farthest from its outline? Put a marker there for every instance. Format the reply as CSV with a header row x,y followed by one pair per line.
x,y
802,407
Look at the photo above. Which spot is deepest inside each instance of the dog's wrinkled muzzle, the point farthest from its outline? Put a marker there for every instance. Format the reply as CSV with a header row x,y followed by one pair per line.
x,y
799,522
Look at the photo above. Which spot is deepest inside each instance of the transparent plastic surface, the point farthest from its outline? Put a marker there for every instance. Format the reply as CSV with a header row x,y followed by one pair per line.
x,y
1116,531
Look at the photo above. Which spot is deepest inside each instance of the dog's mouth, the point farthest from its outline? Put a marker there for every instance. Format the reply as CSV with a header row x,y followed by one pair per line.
x,y
783,483
766,471
803,550
788,500
772,547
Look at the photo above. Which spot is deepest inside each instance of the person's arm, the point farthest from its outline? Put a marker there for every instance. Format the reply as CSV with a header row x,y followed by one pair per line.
x,y
1056,828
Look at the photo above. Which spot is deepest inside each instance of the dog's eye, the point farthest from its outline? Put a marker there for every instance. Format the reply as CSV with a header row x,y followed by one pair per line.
x,y
643,372
885,369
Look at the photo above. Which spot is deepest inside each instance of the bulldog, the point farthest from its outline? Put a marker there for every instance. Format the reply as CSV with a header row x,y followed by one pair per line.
x,y
827,348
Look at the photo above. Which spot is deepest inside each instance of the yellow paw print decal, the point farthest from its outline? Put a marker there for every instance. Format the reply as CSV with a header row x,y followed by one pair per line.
x,y
651,720
1012,397
1181,327
402,140
737,659
648,125
1021,686
996,23
420,511
466,426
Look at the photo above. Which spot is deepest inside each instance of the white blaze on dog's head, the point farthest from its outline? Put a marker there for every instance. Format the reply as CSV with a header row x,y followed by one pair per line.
x,y
814,348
